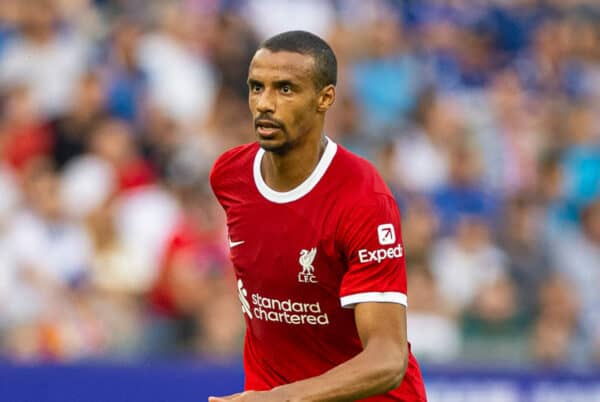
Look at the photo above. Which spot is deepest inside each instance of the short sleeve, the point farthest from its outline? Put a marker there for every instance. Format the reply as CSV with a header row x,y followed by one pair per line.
x,y
225,176
371,241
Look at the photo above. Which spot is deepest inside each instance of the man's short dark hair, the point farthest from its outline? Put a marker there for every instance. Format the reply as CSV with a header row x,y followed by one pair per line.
x,y
309,44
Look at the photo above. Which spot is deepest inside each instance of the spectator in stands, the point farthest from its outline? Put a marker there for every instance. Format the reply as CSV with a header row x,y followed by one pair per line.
x,y
113,141
421,154
420,227
581,159
528,259
467,263
577,256
126,83
386,80
465,192
72,130
44,59
554,335
495,326
185,86
49,256
432,326
25,135
194,263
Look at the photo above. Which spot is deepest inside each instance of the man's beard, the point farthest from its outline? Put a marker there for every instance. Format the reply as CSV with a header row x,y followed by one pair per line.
x,y
278,149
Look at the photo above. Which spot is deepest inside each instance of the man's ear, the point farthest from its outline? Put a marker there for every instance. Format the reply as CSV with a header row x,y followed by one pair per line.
x,y
326,98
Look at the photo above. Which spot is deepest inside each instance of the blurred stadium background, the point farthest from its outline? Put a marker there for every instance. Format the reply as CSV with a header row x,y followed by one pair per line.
x,y
483,117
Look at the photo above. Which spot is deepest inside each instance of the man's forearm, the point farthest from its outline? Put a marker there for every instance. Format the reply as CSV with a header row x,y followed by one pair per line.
x,y
368,373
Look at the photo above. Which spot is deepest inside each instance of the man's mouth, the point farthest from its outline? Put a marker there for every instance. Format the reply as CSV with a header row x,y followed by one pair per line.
x,y
266,128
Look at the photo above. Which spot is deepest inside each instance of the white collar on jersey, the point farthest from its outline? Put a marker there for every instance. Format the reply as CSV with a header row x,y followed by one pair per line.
x,y
301,190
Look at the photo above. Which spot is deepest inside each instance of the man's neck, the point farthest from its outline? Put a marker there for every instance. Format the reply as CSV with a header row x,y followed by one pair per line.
x,y
286,172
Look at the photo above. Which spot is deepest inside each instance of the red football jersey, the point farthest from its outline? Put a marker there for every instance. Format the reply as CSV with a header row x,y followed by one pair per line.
x,y
304,258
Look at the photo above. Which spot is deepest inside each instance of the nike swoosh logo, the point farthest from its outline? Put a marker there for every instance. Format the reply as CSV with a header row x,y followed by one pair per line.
x,y
233,244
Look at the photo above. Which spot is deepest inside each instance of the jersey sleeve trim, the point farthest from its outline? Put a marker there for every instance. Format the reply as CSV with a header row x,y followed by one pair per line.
x,y
383,297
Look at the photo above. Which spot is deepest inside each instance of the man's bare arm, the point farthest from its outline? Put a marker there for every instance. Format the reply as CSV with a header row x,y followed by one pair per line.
x,y
379,368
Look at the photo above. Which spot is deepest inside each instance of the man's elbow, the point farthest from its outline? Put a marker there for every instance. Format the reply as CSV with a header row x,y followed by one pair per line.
x,y
394,370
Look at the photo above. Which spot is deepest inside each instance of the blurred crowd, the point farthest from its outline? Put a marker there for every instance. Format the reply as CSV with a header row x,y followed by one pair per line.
x,y
483,116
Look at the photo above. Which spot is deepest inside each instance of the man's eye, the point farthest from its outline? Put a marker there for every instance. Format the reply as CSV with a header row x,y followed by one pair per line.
x,y
286,89
255,87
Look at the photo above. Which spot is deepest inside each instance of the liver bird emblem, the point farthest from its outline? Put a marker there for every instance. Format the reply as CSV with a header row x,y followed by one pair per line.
x,y
306,259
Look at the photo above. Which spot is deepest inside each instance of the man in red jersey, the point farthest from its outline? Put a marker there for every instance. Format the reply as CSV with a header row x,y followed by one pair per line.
x,y
315,240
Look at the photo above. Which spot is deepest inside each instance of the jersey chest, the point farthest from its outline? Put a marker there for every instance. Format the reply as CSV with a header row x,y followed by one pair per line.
x,y
285,249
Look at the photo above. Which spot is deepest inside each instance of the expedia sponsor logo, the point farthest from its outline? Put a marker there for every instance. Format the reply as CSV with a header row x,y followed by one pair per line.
x,y
386,234
365,256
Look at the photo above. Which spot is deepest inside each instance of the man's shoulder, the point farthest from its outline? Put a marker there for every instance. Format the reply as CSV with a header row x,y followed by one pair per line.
x,y
232,161
232,171
357,164
237,156
360,176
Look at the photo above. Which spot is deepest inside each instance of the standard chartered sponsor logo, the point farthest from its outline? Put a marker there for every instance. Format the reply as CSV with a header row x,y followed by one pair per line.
x,y
379,255
283,311
288,311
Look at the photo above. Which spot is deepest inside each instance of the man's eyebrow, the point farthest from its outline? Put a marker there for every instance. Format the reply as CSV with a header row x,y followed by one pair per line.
x,y
281,83
278,83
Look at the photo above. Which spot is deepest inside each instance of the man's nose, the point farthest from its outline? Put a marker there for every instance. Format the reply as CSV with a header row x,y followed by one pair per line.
x,y
266,102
